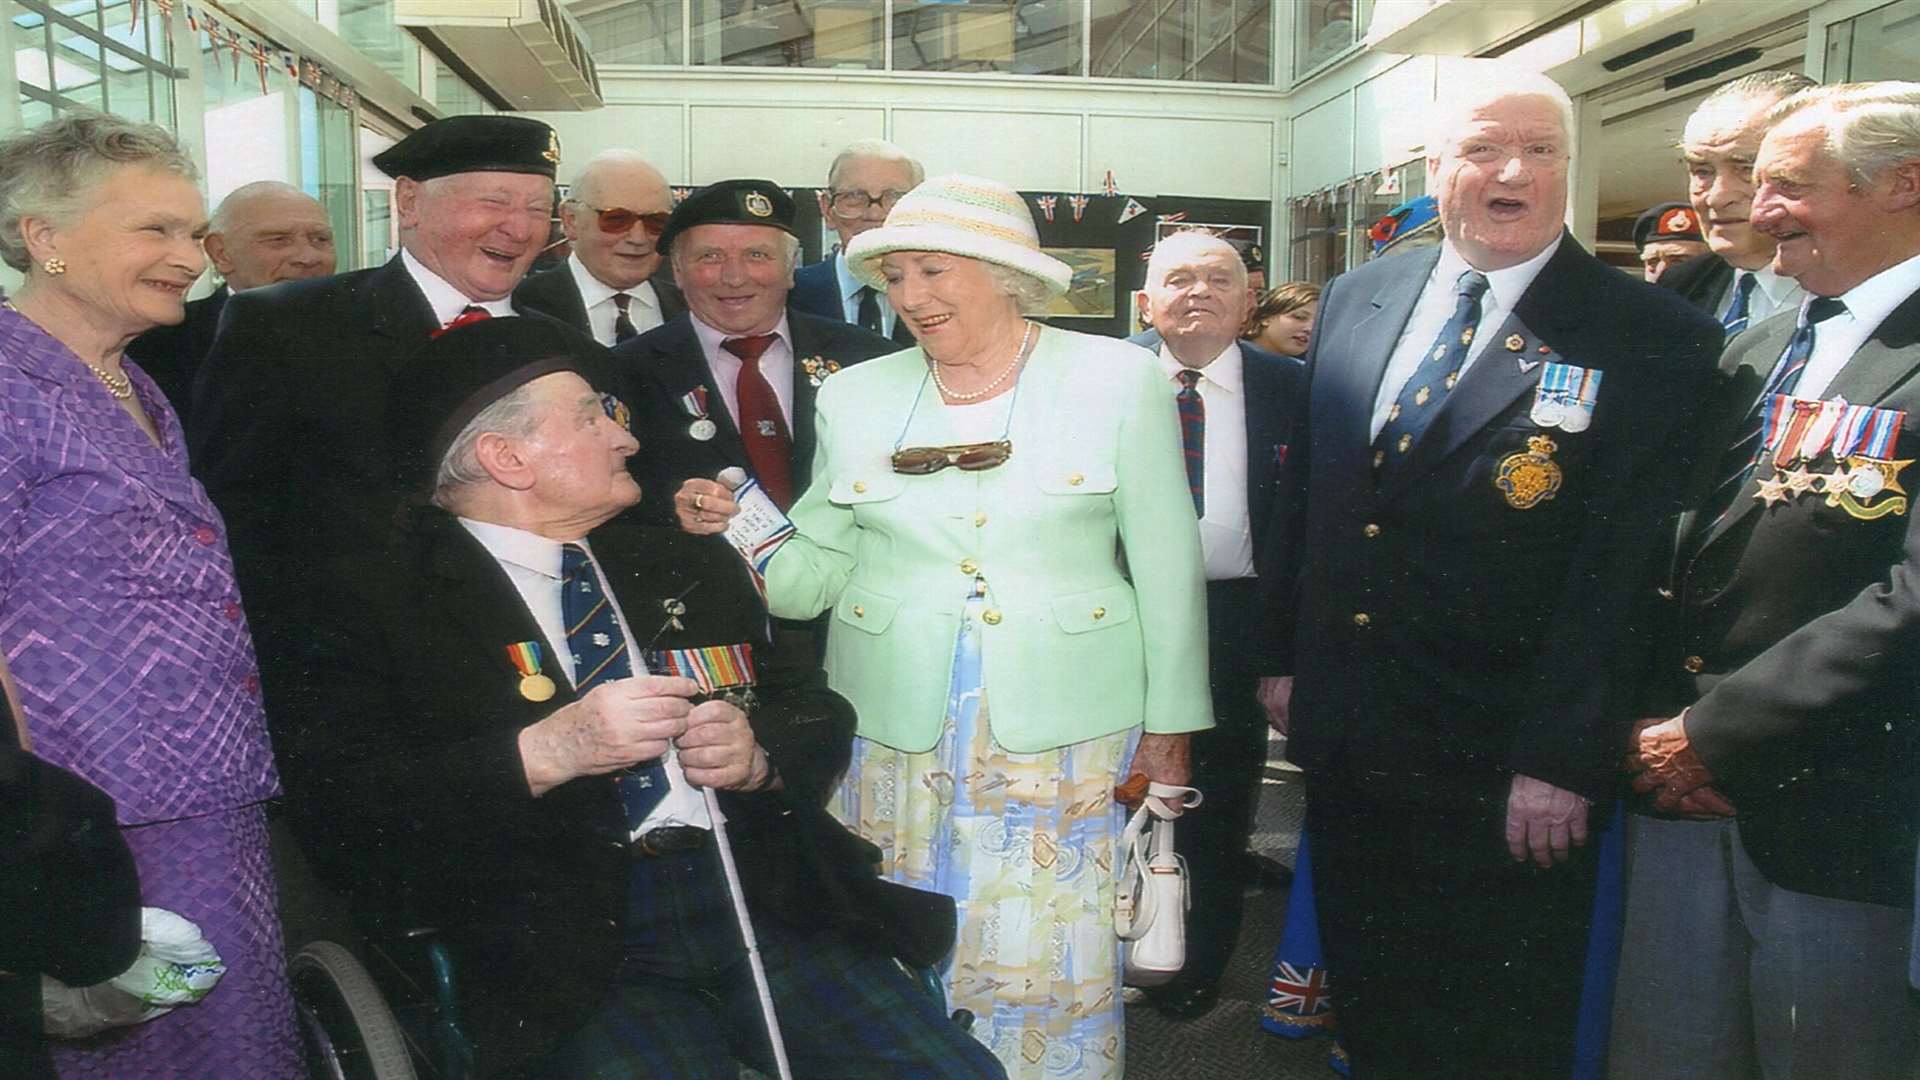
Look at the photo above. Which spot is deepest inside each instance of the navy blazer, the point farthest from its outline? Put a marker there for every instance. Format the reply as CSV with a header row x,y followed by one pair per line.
x,y
1447,638
1793,637
554,292
171,355
1703,281
816,290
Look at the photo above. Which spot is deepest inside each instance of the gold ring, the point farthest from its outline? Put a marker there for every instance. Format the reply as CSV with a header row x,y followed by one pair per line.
x,y
700,502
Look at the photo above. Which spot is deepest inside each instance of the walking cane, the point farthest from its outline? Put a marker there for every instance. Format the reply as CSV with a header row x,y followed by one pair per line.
x,y
754,963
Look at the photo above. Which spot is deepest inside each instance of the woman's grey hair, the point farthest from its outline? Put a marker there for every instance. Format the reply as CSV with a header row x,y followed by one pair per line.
x,y
52,170
1871,127
513,416
1030,294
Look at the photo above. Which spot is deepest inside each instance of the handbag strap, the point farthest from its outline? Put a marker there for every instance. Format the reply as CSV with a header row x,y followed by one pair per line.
x,y
1169,801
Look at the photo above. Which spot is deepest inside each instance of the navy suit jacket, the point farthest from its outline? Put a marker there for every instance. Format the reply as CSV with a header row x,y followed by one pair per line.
x,y
553,292
816,290
1793,638
172,355
1447,639
1703,281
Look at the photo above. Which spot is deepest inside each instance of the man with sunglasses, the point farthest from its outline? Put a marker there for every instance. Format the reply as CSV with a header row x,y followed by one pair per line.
x,y
615,285
866,179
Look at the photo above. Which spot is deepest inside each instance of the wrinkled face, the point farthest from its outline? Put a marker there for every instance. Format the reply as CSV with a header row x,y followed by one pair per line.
x,y
1199,296
480,231
1662,255
955,308
1501,180
577,455
626,257
1829,233
1290,332
1719,149
735,277
280,237
132,251
878,179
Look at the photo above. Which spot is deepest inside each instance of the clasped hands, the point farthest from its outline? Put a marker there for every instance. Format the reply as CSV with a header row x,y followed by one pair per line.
x,y
623,722
1662,763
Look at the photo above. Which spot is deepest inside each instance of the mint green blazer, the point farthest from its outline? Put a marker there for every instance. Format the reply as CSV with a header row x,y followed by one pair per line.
x,y
1072,648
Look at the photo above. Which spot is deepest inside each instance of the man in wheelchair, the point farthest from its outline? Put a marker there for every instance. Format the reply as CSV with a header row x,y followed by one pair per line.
x,y
488,742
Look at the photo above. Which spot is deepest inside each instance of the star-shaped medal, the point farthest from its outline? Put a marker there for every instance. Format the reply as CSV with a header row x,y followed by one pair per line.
x,y
1773,490
1799,481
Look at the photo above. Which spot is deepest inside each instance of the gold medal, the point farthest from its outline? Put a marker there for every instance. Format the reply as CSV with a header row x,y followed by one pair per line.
x,y
1774,490
1864,479
1531,476
536,687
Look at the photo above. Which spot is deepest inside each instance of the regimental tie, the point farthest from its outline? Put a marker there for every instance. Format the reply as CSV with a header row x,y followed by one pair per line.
x,y
622,323
1737,464
469,315
1741,309
1193,435
599,650
1430,383
869,309
762,428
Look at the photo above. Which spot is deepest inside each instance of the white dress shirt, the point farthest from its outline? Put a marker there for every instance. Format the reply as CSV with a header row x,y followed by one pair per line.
x,y
643,310
776,365
850,287
1226,530
532,562
1868,305
446,301
1437,301
1772,294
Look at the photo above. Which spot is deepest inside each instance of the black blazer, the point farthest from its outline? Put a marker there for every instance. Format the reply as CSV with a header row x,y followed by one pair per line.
x,y
399,751
664,363
1703,281
816,290
171,355
1804,625
1447,640
554,293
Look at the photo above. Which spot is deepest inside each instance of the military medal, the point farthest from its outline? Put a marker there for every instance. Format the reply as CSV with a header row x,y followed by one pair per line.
x,y
525,658
725,671
1565,397
1531,476
817,368
617,411
694,402
1515,343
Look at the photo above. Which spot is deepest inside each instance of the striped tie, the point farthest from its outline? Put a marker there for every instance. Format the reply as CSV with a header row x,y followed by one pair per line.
x,y
1193,436
1740,460
1428,386
599,654
1741,308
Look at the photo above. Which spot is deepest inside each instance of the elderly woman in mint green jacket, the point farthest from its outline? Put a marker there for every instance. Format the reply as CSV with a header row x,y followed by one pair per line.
x,y
999,522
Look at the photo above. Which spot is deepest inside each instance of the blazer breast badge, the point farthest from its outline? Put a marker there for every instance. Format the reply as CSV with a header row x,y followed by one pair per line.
x,y
1531,476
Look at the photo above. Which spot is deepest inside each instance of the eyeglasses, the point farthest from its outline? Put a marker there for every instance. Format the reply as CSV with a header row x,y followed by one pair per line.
x,y
973,457
856,203
618,219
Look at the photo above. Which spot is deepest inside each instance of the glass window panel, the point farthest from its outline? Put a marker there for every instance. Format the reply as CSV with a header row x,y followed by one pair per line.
x,y
635,32
327,164
1323,29
84,12
1882,44
1026,37
376,227
1187,40
787,33
455,97
34,111
1320,225
368,26
130,94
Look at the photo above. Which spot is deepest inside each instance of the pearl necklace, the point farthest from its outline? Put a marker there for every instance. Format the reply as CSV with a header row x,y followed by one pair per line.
x,y
116,382
933,367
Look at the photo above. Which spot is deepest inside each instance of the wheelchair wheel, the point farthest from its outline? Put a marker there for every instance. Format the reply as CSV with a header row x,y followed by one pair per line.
x,y
346,1028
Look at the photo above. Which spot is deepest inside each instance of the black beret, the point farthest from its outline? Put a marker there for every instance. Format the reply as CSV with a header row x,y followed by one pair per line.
x,y
731,202
462,371
1668,221
460,144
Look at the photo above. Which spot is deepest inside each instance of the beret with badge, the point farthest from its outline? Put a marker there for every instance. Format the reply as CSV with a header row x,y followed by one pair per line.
x,y
459,144
731,202
1667,221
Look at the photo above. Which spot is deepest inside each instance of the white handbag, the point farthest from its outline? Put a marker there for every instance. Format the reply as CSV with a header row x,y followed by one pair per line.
x,y
1151,900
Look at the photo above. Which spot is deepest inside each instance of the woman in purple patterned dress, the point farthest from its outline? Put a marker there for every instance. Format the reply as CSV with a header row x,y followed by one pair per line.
x,y
118,611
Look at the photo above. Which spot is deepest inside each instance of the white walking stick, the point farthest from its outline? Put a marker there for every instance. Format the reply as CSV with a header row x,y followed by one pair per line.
x,y
754,964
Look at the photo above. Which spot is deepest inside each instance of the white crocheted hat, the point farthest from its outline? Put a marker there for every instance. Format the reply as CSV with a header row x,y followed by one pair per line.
x,y
960,215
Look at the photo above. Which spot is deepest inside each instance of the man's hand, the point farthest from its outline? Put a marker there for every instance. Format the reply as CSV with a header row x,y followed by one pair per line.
x,y
719,751
704,506
1662,762
618,723
1165,759
1276,696
1544,821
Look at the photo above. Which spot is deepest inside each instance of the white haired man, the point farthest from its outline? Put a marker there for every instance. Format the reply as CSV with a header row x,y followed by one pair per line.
x,y
1486,460
866,179
1789,703
615,285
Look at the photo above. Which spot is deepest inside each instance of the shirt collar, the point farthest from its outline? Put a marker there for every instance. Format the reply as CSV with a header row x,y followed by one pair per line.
x,y
445,300
844,274
527,550
594,292
710,338
1506,286
1777,286
1225,371
1871,301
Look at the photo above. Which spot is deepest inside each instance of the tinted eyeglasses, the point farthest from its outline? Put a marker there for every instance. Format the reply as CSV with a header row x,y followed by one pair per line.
x,y
855,203
972,457
618,219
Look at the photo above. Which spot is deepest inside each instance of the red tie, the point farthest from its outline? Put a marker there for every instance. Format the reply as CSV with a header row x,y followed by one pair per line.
x,y
469,315
762,429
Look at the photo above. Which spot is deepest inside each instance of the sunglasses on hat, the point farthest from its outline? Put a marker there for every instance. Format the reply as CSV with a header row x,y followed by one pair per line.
x,y
618,219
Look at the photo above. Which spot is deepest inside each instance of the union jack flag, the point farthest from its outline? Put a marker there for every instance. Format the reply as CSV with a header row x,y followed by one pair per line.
x,y
1079,204
1047,203
1297,991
